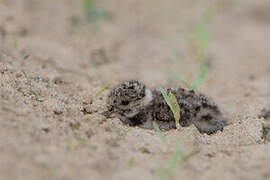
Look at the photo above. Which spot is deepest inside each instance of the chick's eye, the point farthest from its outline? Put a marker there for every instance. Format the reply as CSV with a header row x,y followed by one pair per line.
x,y
125,102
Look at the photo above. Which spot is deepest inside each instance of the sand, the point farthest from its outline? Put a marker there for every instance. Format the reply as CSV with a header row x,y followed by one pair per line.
x,y
53,62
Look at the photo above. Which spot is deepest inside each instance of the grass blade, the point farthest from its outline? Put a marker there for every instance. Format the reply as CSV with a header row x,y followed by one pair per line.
x,y
176,109
125,133
173,104
166,173
167,98
103,89
176,158
160,134
200,77
178,77
16,43
93,13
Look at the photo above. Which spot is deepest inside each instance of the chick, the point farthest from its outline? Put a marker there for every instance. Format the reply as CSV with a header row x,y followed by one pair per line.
x,y
136,105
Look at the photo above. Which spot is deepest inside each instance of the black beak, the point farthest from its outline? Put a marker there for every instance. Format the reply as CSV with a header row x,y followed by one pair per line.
x,y
109,112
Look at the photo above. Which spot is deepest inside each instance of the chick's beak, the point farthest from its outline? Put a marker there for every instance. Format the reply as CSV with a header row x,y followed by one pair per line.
x,y
108,113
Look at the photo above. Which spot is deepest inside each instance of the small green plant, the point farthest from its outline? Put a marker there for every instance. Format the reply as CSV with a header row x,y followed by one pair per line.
x,y
125,133
77,137
175,159
173,104
196,82
200,77
131,162
74,127
194,151
93,13
103,89
16,43
199,42
160,134
26,56
179,78
69,144
178,156
166,173
200,38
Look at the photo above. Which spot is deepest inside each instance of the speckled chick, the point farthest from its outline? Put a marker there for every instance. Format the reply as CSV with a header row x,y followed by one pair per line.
x,y
137,105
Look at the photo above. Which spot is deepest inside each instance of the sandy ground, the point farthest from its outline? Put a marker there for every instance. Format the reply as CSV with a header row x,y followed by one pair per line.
x,y
52,62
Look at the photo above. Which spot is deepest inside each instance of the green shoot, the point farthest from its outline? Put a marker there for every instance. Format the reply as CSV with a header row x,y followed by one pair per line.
x,y
131,162
186,135
160,134
176,157
77,137
69,144
93,13
179,78
16,43
199,43
173,104
124,134
74,127
167,98
163,174
26,56
103,89
201,36
200,77
176,109
194,84
194,151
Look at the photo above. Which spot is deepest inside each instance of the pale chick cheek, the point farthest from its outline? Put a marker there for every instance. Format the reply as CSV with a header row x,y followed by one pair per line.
x,y
148,97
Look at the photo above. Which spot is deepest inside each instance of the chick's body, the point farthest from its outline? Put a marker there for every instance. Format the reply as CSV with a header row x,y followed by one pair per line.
x,y
136,105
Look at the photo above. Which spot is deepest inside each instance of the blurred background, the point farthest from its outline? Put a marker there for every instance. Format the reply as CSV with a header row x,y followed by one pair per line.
x,y
60,52
155,41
